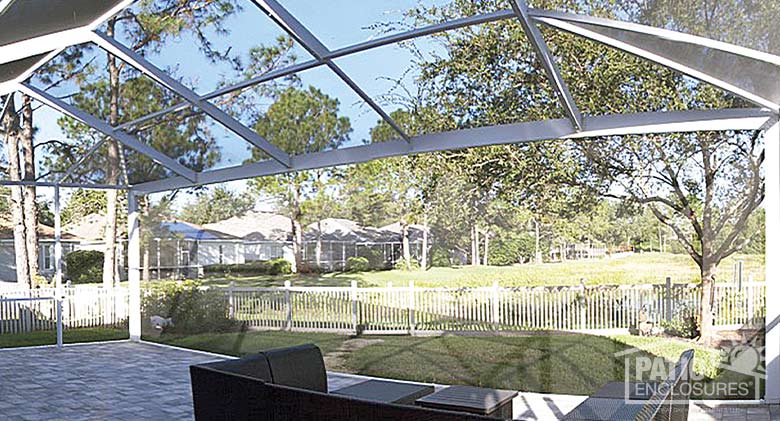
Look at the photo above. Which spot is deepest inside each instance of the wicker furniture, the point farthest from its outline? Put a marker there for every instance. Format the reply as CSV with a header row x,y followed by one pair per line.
x,y
669,402
250,389
386,391
475,400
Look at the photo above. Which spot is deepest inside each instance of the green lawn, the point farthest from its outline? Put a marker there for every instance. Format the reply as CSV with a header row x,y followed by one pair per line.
x,y
634,269
68,336
570,364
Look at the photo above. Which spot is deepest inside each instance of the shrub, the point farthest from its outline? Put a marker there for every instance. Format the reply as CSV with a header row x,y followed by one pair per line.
x,y
192,308
279,267
683,325
357,264
401,265
258,267
84,266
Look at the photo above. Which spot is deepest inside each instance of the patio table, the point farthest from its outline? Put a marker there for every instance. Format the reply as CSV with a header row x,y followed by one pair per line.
x,y
475,400
386,391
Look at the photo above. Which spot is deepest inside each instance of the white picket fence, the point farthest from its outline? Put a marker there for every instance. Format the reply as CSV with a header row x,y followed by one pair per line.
x,y
411,309
32,310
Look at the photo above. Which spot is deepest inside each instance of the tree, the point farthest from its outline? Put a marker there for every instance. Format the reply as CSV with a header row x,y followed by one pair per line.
x,y
703,186
13,131
299,121
83,202
215,205
491,76
147,27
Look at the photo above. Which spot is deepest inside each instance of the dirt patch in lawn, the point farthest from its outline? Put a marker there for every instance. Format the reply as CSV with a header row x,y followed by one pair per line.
x,y
334,360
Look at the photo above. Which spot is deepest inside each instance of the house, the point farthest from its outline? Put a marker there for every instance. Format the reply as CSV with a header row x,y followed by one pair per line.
x,y
265,235
45,250
179,248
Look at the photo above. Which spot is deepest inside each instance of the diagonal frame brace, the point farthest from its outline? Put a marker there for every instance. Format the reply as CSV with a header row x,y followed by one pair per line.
x,y
103,127
134,59
321,53
545,57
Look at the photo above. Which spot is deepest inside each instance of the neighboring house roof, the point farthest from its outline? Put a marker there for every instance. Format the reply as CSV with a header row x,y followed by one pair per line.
x,y
45,232
337,229
190,231
256,226
415,231
90,227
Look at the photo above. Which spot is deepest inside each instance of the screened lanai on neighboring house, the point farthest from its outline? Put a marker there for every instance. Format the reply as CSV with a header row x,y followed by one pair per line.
x,y
29,38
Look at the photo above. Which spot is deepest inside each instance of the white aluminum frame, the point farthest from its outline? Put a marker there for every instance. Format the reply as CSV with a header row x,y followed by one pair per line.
x,y
548,63
575,126
134,59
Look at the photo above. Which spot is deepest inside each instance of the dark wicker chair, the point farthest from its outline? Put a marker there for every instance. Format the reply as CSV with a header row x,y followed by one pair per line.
x,y
298,366
289,384
224,395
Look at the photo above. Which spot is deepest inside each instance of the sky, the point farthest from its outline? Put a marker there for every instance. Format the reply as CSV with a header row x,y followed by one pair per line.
x,y
341,23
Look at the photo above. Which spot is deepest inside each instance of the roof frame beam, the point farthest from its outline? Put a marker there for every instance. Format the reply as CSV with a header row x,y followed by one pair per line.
x,y
545,57
65,185
562,21
134,59
53,44
103,127
341,52
321,53
560,129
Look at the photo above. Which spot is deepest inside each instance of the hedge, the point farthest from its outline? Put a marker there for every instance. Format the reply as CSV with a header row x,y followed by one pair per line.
x,y
259,267
84,266
357,264
192,309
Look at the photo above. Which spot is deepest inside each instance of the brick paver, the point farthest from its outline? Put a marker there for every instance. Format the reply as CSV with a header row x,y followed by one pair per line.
x,y
141,381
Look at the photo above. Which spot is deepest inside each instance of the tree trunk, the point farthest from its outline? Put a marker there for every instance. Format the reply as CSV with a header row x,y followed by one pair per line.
x,y
405,243
318,252
112,173
424,259
30,206
706,310
537,251
297,263
297,231
11,125
145,274
475,246
487,248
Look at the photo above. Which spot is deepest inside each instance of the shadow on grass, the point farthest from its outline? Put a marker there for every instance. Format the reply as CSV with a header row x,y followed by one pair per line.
x,y
576,364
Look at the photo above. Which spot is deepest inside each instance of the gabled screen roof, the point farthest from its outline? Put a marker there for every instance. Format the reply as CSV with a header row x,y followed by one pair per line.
x,y
28,19
33,31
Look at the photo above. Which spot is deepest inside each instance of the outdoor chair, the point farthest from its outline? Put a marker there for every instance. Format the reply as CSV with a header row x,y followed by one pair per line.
x,y
668,402
298,366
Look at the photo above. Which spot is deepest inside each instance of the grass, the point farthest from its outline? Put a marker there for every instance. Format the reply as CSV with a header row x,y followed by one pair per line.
x,y
647,268
68,336
243,343
544,363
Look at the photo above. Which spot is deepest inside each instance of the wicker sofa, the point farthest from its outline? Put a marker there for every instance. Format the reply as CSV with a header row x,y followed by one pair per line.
x,y
289,384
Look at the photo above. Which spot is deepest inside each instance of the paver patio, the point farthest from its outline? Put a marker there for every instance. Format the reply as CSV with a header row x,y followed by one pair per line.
x,y
125,380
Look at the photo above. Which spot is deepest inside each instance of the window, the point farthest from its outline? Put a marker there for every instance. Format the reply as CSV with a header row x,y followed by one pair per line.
x,y
47,257
221,255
